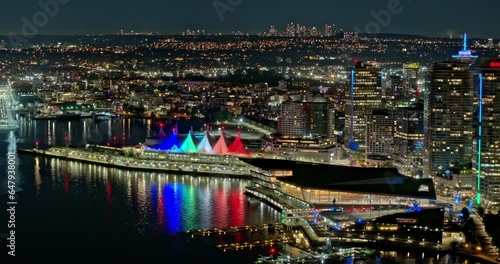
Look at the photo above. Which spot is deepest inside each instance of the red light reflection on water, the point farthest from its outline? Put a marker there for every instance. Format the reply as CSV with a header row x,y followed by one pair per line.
x,y
66,183
108,192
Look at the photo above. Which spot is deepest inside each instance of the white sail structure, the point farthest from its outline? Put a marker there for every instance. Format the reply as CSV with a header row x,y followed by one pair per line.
x,y
204,145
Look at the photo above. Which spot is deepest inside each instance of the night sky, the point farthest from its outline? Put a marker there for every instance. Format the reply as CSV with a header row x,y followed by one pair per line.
x,y
424,17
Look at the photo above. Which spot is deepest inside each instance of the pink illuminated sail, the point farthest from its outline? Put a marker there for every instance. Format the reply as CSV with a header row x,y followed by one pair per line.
x,y
221,146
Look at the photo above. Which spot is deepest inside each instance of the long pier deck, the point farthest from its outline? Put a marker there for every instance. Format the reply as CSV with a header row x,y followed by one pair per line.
x,y
185,164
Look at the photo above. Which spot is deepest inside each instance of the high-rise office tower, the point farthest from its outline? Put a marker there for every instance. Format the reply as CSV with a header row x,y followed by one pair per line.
x,y
351,36
380,135
410,77
328,31
272,31
363,97
409,140
315,118
394,87
292,120
450,121
490,43
320,117
290,30
486,149
331,30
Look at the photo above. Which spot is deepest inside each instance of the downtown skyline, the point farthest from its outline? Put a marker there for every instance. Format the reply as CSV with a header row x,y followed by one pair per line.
x,y
223,16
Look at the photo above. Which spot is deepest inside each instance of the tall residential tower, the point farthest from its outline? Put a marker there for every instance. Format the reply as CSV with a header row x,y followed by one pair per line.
x,y
450,121
486,156
409,140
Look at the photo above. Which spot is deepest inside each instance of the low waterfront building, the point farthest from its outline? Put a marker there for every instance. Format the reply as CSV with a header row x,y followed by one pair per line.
x,y
322,183
314,149
391,206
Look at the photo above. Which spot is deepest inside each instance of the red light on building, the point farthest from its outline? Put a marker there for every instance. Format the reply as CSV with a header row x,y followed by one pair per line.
x,y
108,144
495,64
272,250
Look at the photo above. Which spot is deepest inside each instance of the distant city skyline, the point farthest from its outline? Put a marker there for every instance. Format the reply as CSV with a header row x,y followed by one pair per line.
x,y
222,16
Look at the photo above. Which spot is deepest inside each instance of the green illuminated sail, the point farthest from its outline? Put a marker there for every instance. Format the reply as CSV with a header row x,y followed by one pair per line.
x,y
188,144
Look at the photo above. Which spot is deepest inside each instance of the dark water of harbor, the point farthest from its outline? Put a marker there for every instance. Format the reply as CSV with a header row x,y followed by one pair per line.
x,y
69,212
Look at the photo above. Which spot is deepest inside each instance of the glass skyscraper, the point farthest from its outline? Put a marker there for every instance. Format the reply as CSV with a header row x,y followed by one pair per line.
x,y
409,140
450,121
364,96
486,150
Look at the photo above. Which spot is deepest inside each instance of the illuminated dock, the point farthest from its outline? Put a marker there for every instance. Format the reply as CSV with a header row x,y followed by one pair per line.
x,y
268,236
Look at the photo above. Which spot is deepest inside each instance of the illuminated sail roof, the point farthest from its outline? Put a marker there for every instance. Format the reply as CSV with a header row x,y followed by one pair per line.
x,y
188,144
204,146
161,133
237,147
171,142
221,146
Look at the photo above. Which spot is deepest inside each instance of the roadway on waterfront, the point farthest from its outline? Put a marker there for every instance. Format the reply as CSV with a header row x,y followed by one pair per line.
x,y
246,131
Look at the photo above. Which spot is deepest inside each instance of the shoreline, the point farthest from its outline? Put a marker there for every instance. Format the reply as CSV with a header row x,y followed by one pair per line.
x,y
261,197
374,244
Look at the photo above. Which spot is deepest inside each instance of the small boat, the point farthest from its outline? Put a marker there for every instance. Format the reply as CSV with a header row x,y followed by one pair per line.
x,y
252,200
8,127
86,115
101,118
44,117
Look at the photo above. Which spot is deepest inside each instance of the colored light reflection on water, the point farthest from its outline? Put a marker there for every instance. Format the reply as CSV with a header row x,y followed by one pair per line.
x,y
166,203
